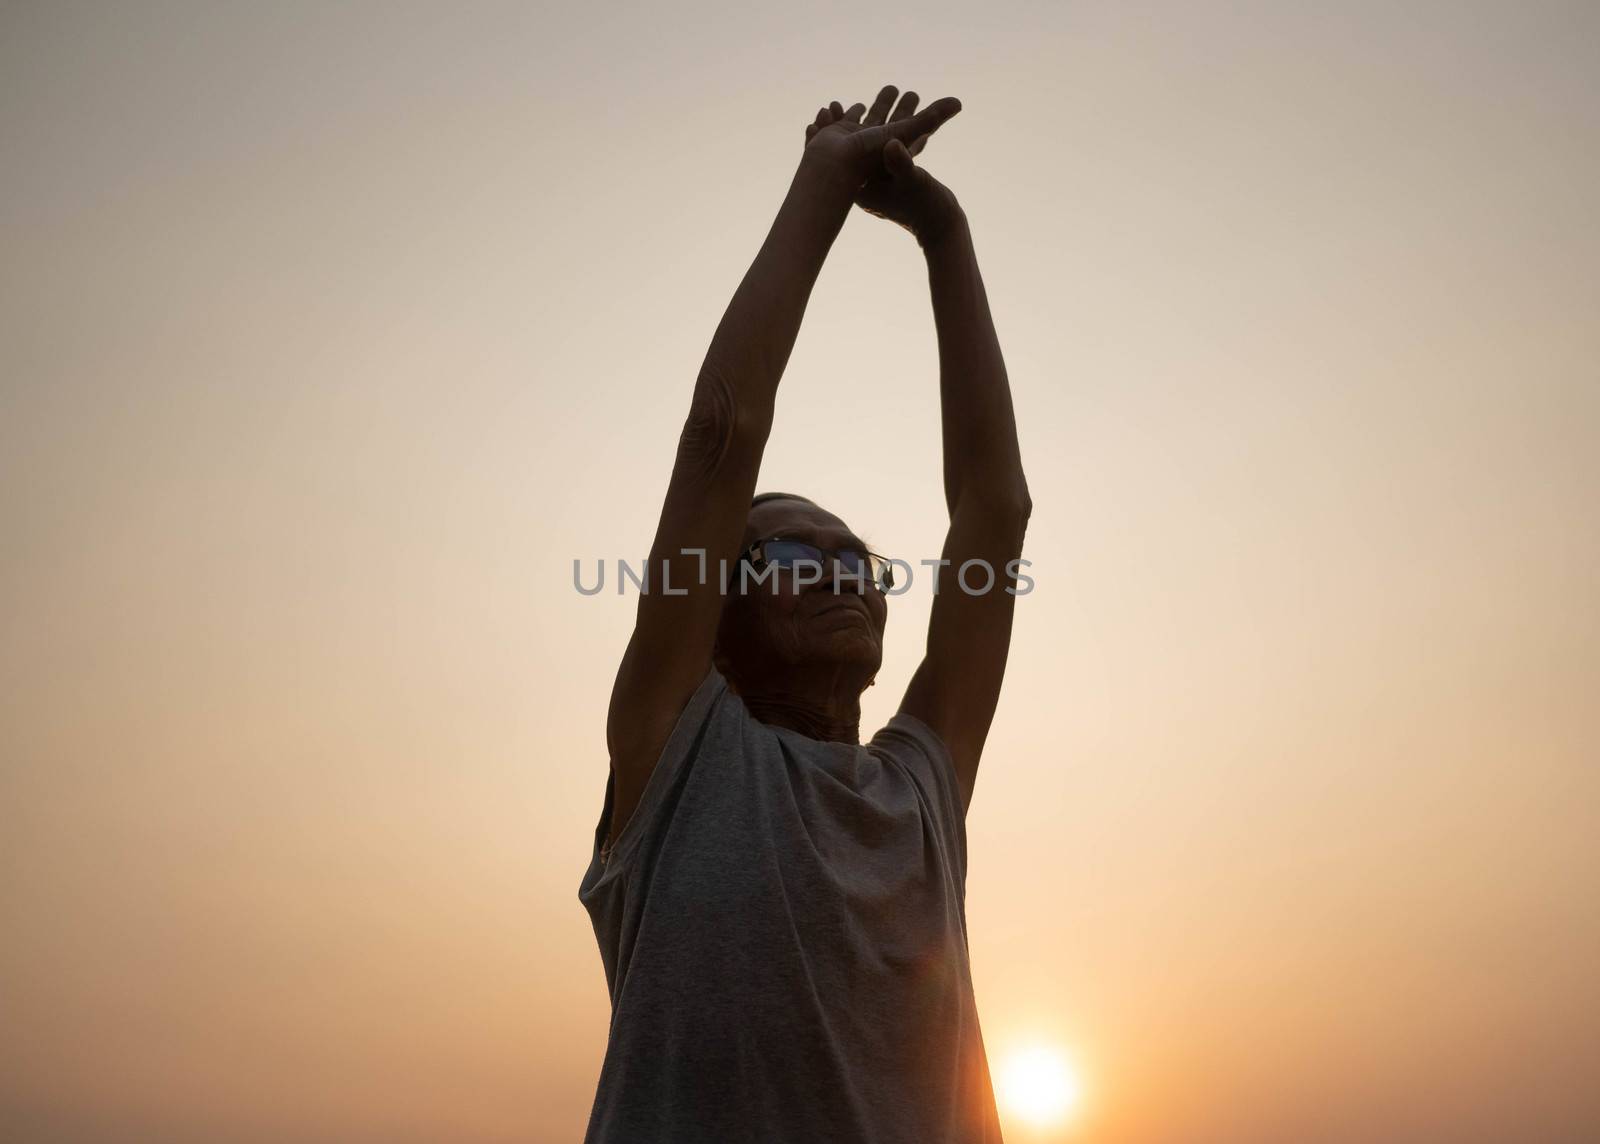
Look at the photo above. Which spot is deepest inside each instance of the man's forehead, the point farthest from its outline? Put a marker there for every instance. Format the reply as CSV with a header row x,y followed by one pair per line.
x,y
787,516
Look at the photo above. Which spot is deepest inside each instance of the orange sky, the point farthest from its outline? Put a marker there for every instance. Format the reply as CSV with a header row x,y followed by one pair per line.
x,y
329,339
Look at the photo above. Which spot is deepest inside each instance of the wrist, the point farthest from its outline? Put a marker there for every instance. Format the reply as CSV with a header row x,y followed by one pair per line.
x,y
950,229
824,177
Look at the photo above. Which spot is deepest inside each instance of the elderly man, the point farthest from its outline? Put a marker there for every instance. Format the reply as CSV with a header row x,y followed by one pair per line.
x,y
780,907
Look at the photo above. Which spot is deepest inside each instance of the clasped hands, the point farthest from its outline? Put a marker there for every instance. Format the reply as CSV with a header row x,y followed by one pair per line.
x,y
873,149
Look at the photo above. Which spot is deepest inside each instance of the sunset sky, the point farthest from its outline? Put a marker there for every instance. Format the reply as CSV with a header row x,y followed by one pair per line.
x,y
331,336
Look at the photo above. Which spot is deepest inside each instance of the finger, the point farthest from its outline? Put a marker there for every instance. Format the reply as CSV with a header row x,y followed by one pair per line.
x,y
822,119
908,105
835,110
854,114
928,120
811,129
897,159
918,144
881,106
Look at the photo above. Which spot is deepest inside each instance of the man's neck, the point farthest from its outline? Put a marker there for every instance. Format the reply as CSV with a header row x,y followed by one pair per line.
x,y
828,726
826,708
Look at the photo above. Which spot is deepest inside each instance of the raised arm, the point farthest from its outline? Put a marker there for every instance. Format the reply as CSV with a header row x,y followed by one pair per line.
x,y
957,686
720,447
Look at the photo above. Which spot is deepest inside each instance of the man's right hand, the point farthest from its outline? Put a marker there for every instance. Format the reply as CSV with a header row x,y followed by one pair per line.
x,y
846,148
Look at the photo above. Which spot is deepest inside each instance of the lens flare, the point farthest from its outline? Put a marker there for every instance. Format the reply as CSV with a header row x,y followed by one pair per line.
x,y
1039,1086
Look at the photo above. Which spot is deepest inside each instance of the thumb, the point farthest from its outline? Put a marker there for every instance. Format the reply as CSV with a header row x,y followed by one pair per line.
x,y
897,159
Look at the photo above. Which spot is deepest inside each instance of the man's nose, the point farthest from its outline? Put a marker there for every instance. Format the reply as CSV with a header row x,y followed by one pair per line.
x,y
838,579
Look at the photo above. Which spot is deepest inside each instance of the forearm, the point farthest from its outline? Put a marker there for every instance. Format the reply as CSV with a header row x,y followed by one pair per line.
x,y
981,455
757,332
730,415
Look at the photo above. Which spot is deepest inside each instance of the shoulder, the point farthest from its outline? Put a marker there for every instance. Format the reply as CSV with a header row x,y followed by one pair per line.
x,y
905,731
711,703
917,749
914,744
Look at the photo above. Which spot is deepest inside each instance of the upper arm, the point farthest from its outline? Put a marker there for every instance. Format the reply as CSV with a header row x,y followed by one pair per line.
x,y
957,686
669,653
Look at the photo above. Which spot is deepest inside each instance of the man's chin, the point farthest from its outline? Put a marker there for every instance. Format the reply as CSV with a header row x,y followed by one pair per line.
x,y
847,647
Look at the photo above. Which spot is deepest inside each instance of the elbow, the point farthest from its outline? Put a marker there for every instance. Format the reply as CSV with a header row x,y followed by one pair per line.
x,y
1006,503
1011,499
1018,507
1024,499
723,424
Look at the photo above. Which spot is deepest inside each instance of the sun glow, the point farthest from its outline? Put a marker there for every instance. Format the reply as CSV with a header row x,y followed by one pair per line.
x,y
1039,1086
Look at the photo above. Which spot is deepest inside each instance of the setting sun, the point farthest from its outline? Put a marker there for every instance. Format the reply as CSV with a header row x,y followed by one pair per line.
x,y
1038,1085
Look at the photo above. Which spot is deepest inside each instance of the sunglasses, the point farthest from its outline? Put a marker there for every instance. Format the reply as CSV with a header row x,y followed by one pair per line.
x,y
853,563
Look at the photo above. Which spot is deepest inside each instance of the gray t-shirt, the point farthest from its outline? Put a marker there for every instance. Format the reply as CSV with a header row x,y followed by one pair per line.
x,y
783,928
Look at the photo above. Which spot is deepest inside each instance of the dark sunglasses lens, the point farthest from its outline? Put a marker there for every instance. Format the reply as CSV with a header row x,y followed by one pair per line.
x,y
787,553
852,570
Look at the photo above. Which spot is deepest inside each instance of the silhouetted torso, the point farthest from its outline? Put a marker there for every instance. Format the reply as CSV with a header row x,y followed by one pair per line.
x,y
783,930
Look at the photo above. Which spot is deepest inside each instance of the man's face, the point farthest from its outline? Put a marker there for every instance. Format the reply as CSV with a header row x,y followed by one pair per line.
x,y
780,623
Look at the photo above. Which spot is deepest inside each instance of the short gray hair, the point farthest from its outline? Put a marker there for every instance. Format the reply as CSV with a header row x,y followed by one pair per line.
x,y
763,498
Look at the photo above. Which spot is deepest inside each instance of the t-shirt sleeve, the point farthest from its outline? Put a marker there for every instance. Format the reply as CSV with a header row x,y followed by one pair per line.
x,y
675,755
918,747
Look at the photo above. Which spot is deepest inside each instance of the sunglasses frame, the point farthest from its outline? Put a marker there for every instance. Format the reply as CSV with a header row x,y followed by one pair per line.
x,y
880,566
